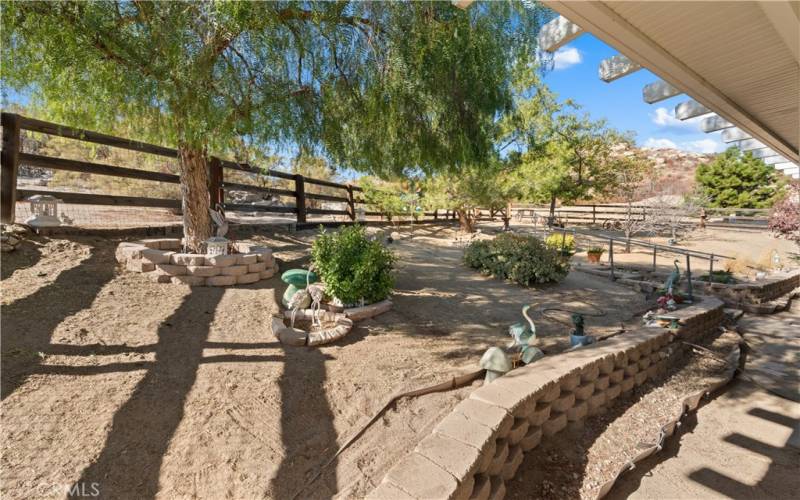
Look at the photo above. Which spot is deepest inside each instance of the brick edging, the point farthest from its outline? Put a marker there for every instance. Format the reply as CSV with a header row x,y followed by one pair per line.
x,y
475,449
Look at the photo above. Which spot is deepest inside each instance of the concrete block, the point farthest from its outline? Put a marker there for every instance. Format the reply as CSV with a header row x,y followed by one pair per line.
x,y
495,418
171,269
256,268
564,402
465,487
139,266
602,383
644,362
455,457
627,384
513,462
634,355
188,259
620,360
652,371
499,459
518,430
221,281
233,270
162,243
549,394
539,415
245,279
640,378
498,488
606,365
220,260
421,478
597,400
570,382
590,373
557,422
487,454
507,395
632,369
263,253
481,488
578,411
204,271
245,259
387,491
189,280
532,438
129,251
616,376
585,391
459,427
613,392
156,256
155,277
267,274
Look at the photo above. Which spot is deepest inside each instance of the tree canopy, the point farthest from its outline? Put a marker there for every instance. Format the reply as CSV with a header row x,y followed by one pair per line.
x,y
736,179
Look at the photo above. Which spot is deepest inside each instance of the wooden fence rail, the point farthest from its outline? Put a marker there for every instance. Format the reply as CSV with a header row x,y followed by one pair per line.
x,y
13,157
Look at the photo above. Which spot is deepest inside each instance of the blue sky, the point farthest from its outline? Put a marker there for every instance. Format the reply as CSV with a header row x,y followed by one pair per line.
x,y
620,102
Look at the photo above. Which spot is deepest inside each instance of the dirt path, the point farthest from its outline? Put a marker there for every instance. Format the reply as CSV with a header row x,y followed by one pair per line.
x,y
153,390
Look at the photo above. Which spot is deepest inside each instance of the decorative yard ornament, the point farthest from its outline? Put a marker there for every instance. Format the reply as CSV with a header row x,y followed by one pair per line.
x,y
522,332
44,210
578,337
217,245
218,216
673,279
297,279
495,362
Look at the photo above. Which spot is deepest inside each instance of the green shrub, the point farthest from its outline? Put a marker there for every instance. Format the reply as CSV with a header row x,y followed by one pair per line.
x,y
352,266
556,240
523,259
599,250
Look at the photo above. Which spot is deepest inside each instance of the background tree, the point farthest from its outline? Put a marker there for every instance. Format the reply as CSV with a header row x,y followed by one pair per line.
x,y
381,87
736,179
631,172
784,219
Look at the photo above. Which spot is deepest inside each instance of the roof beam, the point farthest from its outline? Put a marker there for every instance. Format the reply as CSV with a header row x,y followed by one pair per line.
x,y
616,67
735,134
784,165
658,91
785,20
557,33
690,109
749,144
763,153
714,123
603,22
774,160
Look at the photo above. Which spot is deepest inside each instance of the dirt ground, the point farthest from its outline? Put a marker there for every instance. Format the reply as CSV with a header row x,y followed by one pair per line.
x,y
147,390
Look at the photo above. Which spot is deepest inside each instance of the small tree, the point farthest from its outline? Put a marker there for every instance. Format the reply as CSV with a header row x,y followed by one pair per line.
x,y
784,220
630,173
736,179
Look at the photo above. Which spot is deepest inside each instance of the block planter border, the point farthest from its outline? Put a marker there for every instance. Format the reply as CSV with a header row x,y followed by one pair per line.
x,y
161,260
475,449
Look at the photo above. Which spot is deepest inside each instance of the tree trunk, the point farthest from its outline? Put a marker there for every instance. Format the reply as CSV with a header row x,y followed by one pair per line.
x,y
552,219
465,221
195,201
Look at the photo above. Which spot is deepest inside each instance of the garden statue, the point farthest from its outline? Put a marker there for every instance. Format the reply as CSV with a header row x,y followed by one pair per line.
x,y
218,216
578,337
673,279
297,279
523,334
495,362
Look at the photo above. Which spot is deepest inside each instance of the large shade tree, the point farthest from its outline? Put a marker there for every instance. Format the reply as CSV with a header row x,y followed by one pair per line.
x,y
738,179
381,87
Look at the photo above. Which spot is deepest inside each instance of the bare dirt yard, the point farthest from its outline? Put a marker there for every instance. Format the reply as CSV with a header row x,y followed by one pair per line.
x,y
141,390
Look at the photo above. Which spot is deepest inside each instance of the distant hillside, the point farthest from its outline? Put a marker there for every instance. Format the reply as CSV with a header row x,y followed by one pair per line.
x,y
675,169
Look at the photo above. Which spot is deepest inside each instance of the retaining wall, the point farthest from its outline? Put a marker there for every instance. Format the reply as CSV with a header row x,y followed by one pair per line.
x,y
758,292
479,446
160,260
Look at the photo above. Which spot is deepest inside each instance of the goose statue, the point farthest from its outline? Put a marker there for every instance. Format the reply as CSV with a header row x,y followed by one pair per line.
x,y
521,332
674,278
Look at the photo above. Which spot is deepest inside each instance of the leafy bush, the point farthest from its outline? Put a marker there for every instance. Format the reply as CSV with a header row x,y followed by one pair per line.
x,y
523,259
556,240
352,266
599,250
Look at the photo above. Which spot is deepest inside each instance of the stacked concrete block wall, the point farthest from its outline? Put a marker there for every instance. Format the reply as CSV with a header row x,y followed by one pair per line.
x,y
760,292
162,261
479,446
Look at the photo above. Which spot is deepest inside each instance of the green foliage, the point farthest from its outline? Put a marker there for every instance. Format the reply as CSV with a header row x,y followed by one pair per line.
x,y
389,198
352,266
736,179
523,259
564,243
720,276
597,250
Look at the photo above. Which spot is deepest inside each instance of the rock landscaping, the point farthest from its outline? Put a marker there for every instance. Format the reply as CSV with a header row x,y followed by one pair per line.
x,y
161,260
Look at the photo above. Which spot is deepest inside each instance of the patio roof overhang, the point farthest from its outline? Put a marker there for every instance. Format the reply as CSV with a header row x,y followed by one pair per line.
x,y
740,60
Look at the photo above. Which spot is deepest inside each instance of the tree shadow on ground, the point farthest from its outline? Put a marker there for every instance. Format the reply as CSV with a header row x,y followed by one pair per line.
x,y
26,255
130,462
27,324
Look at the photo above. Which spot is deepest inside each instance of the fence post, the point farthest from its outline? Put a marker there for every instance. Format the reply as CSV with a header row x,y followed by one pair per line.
x,y
215,180
654,258
9,164
611,258
594,214
711,269
435,214
351,203
300,198
689,277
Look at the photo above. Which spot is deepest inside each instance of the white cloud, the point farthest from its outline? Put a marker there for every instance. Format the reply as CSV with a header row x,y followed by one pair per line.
x,y
660,144
665,119
698,146
565,57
